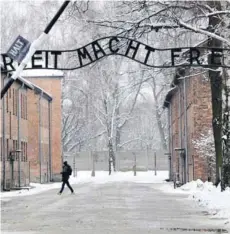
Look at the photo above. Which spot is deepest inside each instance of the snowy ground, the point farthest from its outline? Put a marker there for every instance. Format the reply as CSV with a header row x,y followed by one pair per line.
x,y
120,203
83,177
207,195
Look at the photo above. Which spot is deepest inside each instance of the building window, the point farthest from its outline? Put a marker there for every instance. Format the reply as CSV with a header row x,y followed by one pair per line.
x,y
16,153
7,149
15,147
7,102
10,123
24,151
16,101
13,101
15,104
25,107
22,107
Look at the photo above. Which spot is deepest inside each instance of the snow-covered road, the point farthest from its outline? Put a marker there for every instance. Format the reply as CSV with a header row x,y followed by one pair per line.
x,y
110,207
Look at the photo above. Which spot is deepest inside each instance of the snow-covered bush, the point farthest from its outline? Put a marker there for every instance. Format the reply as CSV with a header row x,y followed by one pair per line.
x,y
205,147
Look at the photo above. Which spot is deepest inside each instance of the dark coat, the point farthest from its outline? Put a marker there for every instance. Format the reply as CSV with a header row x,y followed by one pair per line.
x,y
65,172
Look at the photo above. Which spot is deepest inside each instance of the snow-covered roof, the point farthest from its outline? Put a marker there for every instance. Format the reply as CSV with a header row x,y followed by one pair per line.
x,y
35,87
44,93
26,82
42,73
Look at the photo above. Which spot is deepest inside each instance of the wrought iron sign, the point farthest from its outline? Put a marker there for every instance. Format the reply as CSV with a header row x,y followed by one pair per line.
x,y
130,48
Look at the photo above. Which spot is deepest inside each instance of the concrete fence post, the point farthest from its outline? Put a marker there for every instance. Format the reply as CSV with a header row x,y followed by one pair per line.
x,y
155,163
135,165
147,159
93,161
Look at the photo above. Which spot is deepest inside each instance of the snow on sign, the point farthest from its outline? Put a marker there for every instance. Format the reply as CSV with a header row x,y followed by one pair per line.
x,y
18,49
116,45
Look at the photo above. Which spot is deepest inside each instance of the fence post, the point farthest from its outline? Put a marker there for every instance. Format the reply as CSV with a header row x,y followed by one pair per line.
x,y
147,159
135,165
93,160
155,162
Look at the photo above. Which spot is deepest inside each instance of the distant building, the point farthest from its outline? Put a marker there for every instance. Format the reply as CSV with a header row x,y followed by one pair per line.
x,y
31,129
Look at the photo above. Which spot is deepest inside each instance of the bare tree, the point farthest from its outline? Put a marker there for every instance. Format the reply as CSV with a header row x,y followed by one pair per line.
x,y
209,20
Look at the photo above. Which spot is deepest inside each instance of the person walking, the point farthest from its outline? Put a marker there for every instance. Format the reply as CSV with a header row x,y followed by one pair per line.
x,y
66,172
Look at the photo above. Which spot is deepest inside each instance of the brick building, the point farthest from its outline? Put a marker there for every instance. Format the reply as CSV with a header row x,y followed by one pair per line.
x,y
39,140
31,130
189,115
49,102
14,133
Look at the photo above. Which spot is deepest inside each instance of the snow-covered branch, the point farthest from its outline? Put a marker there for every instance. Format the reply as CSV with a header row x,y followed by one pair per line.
x,y
129,141
198,30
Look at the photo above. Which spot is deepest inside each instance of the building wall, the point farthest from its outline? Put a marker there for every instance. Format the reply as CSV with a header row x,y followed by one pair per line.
x,y
192,102
11,140
202,118
38,138
53,87
12,174
42,160
174,132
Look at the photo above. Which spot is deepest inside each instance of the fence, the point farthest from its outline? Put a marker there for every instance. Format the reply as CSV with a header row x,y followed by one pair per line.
x,y
125,161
